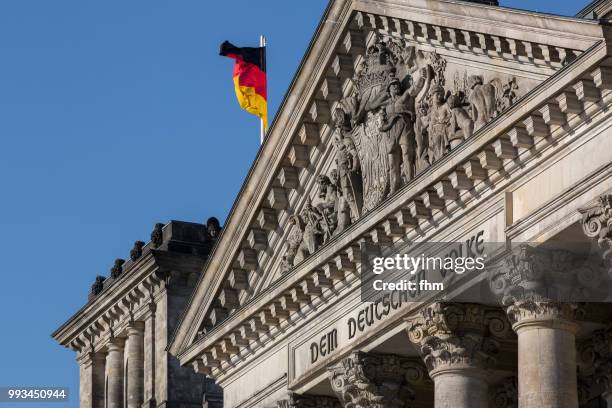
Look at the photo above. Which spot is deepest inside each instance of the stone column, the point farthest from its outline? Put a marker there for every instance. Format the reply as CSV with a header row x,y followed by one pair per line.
x,y
546,359
372,380
114,374
454,344
135,365
149,357
535,285
91,381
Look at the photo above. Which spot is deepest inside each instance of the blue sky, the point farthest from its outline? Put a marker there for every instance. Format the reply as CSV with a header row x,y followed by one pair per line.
x,y
115,115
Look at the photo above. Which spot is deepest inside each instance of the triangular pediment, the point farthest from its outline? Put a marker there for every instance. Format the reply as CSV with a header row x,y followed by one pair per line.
x,y
406,81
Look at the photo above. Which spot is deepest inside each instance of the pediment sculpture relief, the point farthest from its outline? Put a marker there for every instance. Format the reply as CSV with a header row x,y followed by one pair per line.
x,y
401,118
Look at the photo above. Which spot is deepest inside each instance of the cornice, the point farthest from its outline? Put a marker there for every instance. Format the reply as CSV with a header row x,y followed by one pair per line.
x,y
92,310
494,20
137,283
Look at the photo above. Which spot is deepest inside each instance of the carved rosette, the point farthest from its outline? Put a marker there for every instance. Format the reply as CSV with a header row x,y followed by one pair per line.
x,y
308,401
371,380
536,285
597,224
456,336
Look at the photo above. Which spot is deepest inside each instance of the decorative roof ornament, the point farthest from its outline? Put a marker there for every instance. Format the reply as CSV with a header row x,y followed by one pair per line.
x,y
157,236
136,251
117,268
98,285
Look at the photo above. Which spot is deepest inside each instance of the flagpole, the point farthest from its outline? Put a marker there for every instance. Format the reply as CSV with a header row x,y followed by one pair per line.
x,y
262,130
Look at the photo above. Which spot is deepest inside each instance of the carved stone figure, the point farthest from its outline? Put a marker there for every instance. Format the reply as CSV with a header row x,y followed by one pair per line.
x,y
294,244
136,251
488,100
382,116
482,100
508,95
446,122
214,228
328,206
348,167
343,207
117,268
98,285
306,235
399,116
157,236
314,228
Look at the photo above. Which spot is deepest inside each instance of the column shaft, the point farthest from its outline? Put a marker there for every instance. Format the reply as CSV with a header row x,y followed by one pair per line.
x,y
135,366
86,383
460,389
546,368
114,375
91,381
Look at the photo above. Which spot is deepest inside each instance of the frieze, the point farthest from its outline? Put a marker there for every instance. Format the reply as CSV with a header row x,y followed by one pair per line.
x,y
400,118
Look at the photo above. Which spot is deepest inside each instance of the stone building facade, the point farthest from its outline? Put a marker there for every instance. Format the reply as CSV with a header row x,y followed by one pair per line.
x,y
412,122
120,336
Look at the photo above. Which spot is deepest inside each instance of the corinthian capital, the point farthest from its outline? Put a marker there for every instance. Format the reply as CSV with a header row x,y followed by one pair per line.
x,y
308,401
454,335
371,380
536,284
597,224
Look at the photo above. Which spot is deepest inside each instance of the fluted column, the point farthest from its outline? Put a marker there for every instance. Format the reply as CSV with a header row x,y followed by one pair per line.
x,y
114,374
547,359
135,365
535,285
455,344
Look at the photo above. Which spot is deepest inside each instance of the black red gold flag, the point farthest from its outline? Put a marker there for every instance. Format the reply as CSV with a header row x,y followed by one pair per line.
x,y
249,78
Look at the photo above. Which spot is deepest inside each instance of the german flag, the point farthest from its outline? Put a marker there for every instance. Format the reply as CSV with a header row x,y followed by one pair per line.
x,y
249,78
